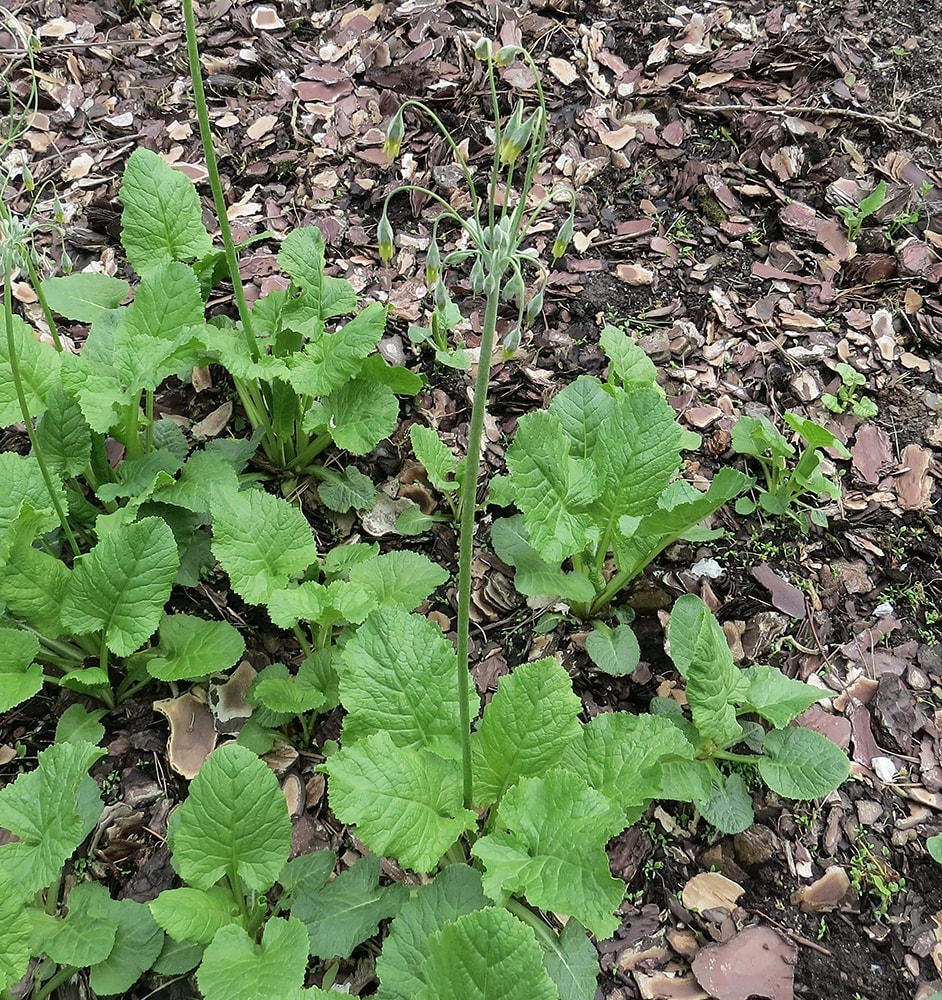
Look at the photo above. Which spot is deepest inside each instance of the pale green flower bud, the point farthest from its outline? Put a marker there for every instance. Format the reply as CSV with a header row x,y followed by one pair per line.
x,y
384,238
511,342
433,264
507,53
513,290
395,132
477,277
563,237
29,181
482,50
534,307
441,296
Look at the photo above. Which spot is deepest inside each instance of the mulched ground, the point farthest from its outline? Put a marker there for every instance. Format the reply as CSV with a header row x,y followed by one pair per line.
x,y
709,147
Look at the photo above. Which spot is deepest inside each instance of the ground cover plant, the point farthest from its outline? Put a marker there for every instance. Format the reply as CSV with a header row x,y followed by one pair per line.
x,y
443,784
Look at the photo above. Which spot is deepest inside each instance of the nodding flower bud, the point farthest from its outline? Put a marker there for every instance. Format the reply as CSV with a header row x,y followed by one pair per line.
x,y
477,277
395,132
482,49
507,53
441,296
29,181
534,307
515,136
433,264
511,342
513,289
384,239
563,237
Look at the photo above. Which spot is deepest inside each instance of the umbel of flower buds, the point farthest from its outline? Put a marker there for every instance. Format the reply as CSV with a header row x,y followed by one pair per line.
x,y
395,132
384,239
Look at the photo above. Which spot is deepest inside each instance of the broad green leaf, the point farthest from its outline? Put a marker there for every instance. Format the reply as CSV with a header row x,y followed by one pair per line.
x,y
87,680
399,579
307,873
629,364
177,958
439,461
526,728
715,686
33,583
333,358
23,483
347,910
137,944
622,756
572,963
162,218
194,914
80,938
261,541
729,807
50,813
204,476
815,435
62,435
15,932
38,366
234,967
234,822
552,489
305,692
534,575
85,295
139,476
121,586
581,408
638,452
341,558
934,847
166,301
399,679
348,490
456,890
361,413
549,845
20,677
191,648
776,697
405,803
687,780
77,724
402,381
485,955
302,256
305,602
801,764
756,436
613,650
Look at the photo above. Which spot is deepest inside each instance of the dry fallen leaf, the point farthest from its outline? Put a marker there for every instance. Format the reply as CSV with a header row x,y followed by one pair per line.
x,y
192,732
756,962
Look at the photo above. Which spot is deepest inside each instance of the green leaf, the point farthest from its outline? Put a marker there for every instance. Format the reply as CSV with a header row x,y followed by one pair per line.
x,y
535,576
177,958
77,725
399,680
553,489
33,583
757,435
485,955
572,963
622,756
614,651
21,678
121,586
405,803
729,807
38,366
51,811
630,365
439,461
305,692
800,764
261,541
307,873
191,648
85,295
526,728
62,435
15,932
934,847
399,579
715,687
815,435
234,822
776,697
194,914
234,967
23,485
348,490
360,414
162,218
581,409
79,939
549,845
456,890
347,910
302,256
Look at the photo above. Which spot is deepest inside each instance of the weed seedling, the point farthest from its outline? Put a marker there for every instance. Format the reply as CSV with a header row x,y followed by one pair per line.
x,y
848,396
854,216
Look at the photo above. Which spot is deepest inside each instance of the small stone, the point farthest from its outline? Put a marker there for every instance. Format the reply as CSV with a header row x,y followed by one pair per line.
x,y
703,416
825,894
868,812
755,846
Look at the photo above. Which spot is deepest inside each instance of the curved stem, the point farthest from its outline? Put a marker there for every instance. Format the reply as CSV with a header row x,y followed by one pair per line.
x,y
51,985
43,301
468,503
24,409
212,166
544,934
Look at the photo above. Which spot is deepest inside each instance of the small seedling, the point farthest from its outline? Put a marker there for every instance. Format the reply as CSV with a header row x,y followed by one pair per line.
x,y
848,397
854,216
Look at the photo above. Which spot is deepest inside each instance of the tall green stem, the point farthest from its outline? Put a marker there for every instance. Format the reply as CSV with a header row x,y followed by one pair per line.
x,y
469,489
24,409
212,167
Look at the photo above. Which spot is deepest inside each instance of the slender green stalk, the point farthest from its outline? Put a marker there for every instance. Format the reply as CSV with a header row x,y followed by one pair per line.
x,y
468,506
24,409
546,936
50,986
43,301
212,167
